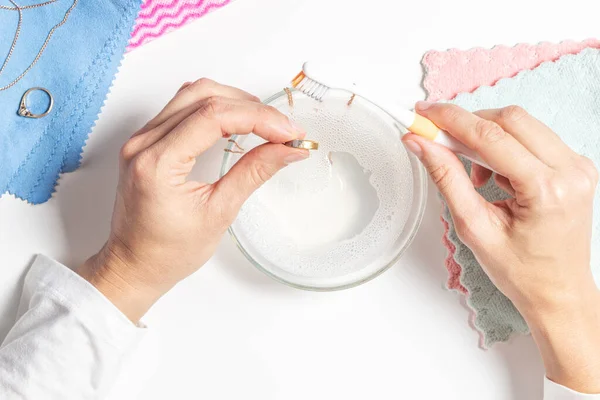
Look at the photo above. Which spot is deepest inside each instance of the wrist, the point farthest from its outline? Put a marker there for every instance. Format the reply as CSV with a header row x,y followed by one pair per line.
x,y
113,276
566,333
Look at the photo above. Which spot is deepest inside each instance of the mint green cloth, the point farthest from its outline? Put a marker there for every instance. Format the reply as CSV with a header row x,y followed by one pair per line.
x,y
565,95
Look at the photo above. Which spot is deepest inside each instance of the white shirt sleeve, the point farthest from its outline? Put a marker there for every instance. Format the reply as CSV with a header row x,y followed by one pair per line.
x,y
554,391
68,342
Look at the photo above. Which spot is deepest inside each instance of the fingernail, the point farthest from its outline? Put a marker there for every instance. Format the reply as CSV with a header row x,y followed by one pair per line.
x,y
414,148
296,156
422,105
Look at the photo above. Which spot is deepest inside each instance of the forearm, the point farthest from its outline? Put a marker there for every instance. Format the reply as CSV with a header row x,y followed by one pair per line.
x,y
68,341
110,274
568,337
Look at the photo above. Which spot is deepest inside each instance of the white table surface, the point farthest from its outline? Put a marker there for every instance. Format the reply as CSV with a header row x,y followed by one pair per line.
x,y
230,332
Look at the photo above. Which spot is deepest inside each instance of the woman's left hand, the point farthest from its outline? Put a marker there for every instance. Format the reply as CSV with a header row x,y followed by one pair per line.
x,y
164,226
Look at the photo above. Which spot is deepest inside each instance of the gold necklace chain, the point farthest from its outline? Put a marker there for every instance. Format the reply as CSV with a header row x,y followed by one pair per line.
x,y
39,54
27,7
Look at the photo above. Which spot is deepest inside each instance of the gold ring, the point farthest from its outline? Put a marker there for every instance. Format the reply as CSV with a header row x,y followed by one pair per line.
x,y
24,111
303,144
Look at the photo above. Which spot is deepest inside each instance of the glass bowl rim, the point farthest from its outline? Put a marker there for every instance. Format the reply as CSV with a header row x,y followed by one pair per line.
x,y
422,181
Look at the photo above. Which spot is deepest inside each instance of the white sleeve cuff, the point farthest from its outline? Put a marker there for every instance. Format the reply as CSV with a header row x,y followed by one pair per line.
x,y
50,278
69,341
554,391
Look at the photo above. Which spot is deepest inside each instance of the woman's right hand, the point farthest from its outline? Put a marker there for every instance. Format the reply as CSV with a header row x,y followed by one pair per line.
x,y
535,246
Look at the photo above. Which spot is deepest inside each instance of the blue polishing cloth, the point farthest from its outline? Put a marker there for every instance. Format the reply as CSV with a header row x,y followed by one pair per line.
x,y
77,68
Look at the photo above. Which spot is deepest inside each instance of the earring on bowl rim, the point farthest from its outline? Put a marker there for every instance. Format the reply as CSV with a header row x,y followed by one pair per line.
x,y
289,96
351,99
240,149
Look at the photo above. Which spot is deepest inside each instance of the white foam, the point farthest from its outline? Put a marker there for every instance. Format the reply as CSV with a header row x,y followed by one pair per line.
x,y
331,215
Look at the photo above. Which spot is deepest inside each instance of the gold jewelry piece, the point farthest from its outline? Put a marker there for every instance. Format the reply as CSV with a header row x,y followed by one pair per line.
x,y
289,96
240,148
24,111
233,151
237,150
303,144
351,99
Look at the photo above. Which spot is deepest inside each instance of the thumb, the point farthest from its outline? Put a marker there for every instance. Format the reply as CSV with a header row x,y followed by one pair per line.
x,y
251,172
449,175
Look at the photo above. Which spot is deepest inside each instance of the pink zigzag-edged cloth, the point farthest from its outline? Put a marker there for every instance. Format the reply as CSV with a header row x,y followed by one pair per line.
x,y
448,73
159,17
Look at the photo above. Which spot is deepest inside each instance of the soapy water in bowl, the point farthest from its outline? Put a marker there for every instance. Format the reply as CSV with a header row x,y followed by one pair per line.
x,y
332,214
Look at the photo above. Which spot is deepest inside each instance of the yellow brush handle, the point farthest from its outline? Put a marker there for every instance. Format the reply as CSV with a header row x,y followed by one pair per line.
x,y
423,127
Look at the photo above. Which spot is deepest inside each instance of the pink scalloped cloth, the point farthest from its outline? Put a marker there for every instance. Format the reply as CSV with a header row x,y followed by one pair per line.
x,y
159,17
448,73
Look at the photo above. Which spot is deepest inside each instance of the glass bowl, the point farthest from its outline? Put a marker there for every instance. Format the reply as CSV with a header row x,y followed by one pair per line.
x,y
345,215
